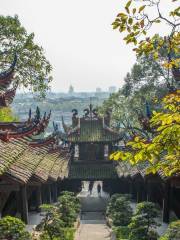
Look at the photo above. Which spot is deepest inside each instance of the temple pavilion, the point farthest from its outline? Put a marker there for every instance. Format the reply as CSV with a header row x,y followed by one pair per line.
x,y
91,140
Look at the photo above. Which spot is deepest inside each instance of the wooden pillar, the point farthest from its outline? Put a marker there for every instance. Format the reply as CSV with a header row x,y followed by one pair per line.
x,y
24,204
18,201
139,193
133,186
130,188
58,188
166,202
149,192
38,198
55,192
43,195
144,193
48,193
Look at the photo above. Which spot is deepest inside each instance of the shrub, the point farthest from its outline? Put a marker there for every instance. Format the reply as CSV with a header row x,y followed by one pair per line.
x,y
143,223
110,207
66,234
120,210
59,220
173,231
122,232
69,207
12,228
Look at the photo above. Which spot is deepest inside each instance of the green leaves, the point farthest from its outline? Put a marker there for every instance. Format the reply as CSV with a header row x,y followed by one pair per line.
x,y
172,232
134,10
6,115
136,22
163,151
59,219
119,209
142,8
32,69
13,228
128,4
144,221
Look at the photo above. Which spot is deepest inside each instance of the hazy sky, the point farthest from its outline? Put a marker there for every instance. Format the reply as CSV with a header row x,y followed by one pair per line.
x,y
78,40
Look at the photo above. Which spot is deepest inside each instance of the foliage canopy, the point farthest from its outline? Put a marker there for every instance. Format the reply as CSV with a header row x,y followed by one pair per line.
x,y
162,151
32,69
6,115
140,16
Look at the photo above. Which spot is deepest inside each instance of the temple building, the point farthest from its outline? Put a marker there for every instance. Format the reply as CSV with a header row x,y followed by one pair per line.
x,y
91,139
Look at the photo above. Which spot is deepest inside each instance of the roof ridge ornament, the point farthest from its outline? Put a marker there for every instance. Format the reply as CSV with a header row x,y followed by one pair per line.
x,y
90,113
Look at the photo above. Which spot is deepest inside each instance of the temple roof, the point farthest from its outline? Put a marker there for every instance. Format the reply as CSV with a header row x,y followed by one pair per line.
x,y
21,162
34,126
22,158
6,98
90,128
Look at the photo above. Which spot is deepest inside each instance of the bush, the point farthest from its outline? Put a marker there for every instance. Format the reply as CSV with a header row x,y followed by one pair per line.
x,y
114,197
173,231
119,210
121,232
12,228
58,223
69,207
143,223
66,234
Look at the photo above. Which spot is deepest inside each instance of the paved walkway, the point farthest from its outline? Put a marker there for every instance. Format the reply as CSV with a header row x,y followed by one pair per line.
x,y
93,225
93,231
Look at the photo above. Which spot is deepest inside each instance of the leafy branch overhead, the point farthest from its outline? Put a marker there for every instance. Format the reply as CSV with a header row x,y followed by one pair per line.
x,y
32,70
162,152
137,19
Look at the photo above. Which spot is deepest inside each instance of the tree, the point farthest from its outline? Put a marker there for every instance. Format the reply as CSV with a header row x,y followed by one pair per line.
x,y
145,82
136,20
13,229
162,152
143,223
157,142
32,69
6,115
173,231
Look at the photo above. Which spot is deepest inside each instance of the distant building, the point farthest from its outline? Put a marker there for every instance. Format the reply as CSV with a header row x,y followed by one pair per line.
x,y
71,90
112,89
98,90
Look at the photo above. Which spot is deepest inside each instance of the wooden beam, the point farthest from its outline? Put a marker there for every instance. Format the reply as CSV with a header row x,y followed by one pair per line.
x,y
24,204
9,188
34,183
